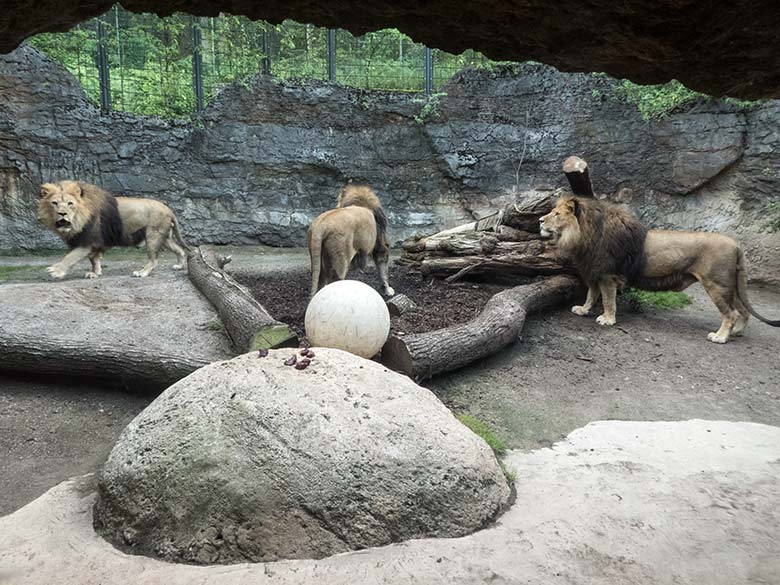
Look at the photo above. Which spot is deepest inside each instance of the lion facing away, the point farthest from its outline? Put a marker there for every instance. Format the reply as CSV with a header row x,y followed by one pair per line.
x,y
347,235
610,248
90,220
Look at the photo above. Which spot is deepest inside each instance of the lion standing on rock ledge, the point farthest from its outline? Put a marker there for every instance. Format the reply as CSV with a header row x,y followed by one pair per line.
x,y
90,220
610,248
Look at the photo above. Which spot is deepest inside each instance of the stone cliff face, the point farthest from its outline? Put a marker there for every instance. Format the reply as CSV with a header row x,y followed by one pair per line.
x,y
265,160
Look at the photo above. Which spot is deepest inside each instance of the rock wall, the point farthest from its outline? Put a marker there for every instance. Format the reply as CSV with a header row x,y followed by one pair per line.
x,y
264,160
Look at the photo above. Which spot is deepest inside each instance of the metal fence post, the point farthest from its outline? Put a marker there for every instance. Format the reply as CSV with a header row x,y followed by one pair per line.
x,y
428,70
197,66
266,61
102,63
332,55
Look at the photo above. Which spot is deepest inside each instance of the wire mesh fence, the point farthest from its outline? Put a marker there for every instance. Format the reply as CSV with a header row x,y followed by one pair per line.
x,y
172,67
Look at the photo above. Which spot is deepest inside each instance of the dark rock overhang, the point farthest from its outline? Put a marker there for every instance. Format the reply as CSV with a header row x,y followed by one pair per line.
x,y
720,48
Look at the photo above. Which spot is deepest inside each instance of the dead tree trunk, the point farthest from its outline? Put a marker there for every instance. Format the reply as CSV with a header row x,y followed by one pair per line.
x,y
399,304
132,366
576,171
425,355
246,322
525,215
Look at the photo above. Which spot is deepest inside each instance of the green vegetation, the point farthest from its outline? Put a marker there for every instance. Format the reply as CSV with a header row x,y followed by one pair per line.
x,y
430,108
215,325
655,102
773,212
151,58
481,428
640,300
7,271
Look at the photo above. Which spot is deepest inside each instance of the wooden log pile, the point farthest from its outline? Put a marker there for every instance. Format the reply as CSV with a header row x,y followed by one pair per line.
x,y
505,247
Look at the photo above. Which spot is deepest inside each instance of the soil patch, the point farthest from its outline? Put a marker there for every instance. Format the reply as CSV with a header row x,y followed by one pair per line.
x,y
439,304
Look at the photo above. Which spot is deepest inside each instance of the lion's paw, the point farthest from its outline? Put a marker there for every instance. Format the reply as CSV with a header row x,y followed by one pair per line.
x,y
715,338
140,274
389,291
56,272
579,310
91,274
602,320
178,267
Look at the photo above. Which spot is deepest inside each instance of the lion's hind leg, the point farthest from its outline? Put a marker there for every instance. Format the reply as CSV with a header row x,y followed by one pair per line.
x,y
179,251
154,241
741,323
723,298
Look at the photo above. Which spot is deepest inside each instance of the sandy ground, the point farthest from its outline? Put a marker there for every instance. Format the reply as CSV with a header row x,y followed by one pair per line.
x,y
565,372
617,502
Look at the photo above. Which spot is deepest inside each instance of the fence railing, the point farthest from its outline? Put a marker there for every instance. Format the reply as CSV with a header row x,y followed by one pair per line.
x,y
172,67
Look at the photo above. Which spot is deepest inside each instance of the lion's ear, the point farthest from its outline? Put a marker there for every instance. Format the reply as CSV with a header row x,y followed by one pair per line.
x,y
72,187
48,189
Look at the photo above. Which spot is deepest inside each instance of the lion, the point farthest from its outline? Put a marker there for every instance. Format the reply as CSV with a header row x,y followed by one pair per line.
x,y
610,248
90,220
346,236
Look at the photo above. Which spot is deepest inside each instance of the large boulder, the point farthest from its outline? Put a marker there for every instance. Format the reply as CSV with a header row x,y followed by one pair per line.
x,y
253,460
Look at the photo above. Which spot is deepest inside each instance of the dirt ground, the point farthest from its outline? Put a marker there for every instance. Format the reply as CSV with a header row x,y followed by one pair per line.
x,y
565,372
285,295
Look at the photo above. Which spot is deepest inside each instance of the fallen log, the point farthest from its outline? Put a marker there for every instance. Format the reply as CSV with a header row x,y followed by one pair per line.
x,y
576,171
514,259
139,367
246,322
424,355
524,215
399,304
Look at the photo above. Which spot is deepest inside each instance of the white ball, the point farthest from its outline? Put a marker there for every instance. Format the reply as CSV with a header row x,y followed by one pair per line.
x,y
350,316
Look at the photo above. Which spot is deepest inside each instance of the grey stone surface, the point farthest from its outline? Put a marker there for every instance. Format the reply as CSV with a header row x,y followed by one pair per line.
x,y
617,502
252,460
265,160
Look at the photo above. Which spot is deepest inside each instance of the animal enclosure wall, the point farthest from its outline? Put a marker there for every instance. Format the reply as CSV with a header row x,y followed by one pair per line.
x,y
266,158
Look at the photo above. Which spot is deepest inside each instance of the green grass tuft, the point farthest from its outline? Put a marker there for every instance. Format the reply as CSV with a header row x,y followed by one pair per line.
x,y
7,271
640,300
773,213
215,325
481,428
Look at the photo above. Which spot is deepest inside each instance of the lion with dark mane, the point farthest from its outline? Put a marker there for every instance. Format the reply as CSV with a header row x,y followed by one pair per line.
x,y
90,220
346,236
610,248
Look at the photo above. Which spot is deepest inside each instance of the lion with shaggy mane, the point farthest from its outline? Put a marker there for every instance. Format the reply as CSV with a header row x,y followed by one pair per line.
x,y
90,221
610,248
346,236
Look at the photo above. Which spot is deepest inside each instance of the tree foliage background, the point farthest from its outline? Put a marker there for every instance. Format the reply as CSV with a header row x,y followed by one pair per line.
x,y
150,58
151,65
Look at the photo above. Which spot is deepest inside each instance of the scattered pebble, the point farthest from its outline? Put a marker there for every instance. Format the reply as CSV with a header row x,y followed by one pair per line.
x,y
262,352
303,364
290,361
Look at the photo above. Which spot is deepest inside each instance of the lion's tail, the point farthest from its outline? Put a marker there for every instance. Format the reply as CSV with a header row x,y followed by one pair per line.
x,y
176,230
380,245
315,253
742,291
